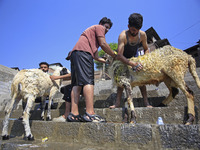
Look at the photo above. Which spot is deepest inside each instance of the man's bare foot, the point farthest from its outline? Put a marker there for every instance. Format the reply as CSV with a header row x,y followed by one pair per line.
x,y
113,107
146,104
149,106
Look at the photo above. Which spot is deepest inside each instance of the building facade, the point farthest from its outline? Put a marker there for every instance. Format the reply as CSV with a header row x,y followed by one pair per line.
x,y
195,52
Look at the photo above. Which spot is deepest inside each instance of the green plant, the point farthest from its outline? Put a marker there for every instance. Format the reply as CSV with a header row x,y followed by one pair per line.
x,y
101,53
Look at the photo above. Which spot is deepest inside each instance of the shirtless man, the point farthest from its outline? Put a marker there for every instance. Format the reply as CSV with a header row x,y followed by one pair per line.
x,y
128,44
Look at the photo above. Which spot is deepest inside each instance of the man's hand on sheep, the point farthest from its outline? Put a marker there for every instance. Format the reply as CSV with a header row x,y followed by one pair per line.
x,y
52,77
136,66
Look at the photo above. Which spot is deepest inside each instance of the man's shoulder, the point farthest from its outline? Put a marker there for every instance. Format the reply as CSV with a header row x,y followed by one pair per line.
x,y
123,34
94,28
142,33
97,26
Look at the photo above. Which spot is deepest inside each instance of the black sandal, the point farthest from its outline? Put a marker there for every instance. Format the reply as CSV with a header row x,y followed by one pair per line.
x,y
92,118
20,118
74,118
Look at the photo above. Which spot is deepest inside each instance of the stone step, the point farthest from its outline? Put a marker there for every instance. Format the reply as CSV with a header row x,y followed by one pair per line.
x,y
197,70
18,143
170,115
112,136
152,90
155,95
106,100
180,100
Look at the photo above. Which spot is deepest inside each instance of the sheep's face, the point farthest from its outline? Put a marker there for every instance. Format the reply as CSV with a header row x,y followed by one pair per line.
x,y
108,58
63,71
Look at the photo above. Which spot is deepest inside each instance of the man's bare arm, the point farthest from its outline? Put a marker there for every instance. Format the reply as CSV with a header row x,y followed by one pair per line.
x,y
65,77
104,45
120,56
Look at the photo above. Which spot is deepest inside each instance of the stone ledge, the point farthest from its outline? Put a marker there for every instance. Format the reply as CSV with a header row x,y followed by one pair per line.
x,y
170,115
115,135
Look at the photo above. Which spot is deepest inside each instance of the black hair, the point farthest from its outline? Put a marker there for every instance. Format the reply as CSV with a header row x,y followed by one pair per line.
x,y
135,20
44,63
105,20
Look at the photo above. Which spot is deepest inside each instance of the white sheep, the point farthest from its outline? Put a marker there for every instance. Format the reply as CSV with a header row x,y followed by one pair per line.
x,y
27,85
167,65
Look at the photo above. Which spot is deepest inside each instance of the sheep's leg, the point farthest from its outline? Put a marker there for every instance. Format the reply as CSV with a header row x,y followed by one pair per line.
x,y
173,91
8,111
43,99
125,114
128,90
49,108
190,99
52,93
16,102
26,116
179,80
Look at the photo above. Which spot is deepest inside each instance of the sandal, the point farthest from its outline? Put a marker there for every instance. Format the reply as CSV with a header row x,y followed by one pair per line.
x,y
74,118
92,118
20,118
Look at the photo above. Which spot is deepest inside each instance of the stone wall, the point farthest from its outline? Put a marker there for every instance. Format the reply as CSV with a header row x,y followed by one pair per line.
x,y
6,76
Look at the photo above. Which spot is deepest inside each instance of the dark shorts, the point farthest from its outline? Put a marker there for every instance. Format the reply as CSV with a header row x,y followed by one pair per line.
x,y
66,90
82,68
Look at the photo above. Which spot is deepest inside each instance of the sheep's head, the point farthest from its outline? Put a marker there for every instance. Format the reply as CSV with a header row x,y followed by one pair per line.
x,y
64,71
59,70
108,58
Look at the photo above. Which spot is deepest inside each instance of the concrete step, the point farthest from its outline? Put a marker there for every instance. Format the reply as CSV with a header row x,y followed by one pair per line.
x,y
104,101
112,136
17,143
155,95
197,70
180,100
170,115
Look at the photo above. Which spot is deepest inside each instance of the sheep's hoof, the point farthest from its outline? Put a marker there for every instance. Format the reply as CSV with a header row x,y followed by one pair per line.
x,y
190,120
30,138
162,105
48,119
133,118
125,118
133,121
125,115
5,137
42,118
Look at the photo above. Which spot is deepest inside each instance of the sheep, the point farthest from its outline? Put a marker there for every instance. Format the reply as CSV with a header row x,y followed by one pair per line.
x,y
27,85
168,65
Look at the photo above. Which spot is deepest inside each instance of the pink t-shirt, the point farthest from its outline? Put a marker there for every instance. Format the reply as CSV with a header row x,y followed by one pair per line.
x,y
88,40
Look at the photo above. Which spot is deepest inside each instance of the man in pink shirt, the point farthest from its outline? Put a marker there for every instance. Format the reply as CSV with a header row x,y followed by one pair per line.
x,y
82,69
